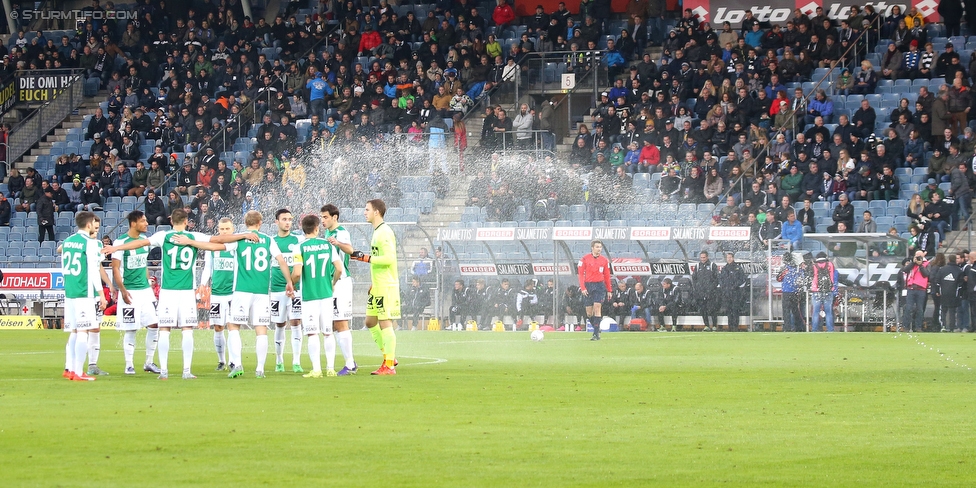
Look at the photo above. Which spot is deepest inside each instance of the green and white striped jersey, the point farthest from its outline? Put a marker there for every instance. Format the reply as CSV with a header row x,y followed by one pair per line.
x,y
342,235
80,261
288,246
317,258
222,266
254,263
134,264
177,261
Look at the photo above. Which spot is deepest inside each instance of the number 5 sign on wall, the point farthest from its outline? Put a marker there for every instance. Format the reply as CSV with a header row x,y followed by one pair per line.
x,y
568,81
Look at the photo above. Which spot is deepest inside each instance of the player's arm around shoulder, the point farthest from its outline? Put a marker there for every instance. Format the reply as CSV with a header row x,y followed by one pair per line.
x,y
202,242
119,247
224,239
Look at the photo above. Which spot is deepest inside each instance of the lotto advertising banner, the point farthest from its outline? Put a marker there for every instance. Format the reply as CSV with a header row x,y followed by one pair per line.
x,y
779,11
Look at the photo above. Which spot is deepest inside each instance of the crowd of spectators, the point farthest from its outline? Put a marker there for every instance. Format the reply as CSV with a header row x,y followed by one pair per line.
x,y
184,88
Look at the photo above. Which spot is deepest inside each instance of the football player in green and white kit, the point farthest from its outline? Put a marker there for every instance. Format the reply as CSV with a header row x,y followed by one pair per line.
x,y
318,267
286,310
250,303
338,236
177,297
137,303
80,265
95,335
219,269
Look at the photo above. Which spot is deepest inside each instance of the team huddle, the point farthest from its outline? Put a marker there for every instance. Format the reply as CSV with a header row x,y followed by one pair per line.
x,y
296,282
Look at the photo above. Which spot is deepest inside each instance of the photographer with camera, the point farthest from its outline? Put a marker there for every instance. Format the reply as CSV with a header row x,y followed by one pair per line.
x,y
916,276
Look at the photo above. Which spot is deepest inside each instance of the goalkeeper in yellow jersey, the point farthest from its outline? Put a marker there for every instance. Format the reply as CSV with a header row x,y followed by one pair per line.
x,y
383,303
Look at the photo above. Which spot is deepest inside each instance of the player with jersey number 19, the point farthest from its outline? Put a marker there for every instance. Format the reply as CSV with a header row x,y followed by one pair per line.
x,y
80,264
250,302
177,296
318,268
339,237
383,301
594,282
285,310
137,303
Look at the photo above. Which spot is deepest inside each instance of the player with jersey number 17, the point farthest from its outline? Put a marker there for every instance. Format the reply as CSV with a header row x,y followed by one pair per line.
x,y
318,268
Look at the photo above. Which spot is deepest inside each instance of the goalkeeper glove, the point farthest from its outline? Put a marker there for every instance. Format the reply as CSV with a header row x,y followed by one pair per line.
x,y
360,256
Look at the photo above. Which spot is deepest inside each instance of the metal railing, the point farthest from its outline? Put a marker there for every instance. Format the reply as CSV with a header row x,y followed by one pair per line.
x,y
539,75
45,118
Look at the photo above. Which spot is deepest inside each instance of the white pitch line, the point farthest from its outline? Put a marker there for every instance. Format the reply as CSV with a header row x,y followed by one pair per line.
x,y
429,360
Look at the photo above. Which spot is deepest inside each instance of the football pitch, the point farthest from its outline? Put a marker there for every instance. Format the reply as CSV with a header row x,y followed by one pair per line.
x,y
496,409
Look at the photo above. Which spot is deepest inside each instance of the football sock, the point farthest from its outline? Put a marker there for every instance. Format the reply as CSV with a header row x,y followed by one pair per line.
x,y
596,324
279,332
164,350
262,350
129,346
389,346
330,347
94,346
81,349
219,344
314,352
234,347
377,336
344,339
152,339
69,352
296,344
187,349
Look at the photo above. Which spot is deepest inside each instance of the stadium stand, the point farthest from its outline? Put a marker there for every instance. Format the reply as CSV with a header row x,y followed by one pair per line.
x,y
325,80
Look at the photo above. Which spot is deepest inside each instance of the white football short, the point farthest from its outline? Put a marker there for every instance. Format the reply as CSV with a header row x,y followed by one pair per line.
x,y
177,309
81,314
317,316
141,313
342,298
284,308
250,309
219,310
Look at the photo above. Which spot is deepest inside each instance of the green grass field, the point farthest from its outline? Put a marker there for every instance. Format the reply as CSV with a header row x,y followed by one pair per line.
x,y
495,409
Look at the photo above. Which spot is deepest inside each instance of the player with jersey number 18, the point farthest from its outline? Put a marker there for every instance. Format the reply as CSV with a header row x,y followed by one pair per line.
x,y
318,268
80,265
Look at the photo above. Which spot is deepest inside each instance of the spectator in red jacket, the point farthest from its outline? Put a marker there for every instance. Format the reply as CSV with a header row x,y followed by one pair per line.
x,y
503,16
369,41
650,157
